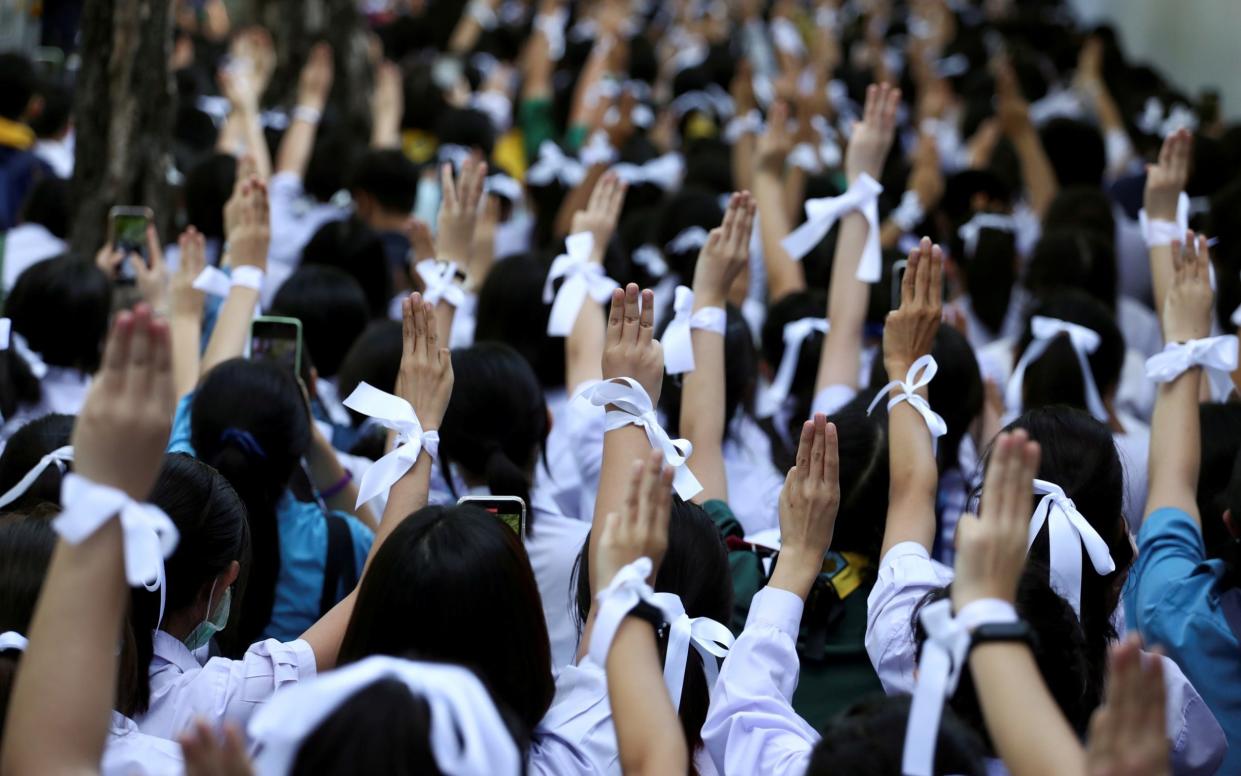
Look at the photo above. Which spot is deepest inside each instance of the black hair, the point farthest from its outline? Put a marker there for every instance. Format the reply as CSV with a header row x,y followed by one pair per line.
x,y
1230,553
47,204
1082,207
1218,486
208,186
332,308
61,306
496,421
261,401
868,739
374,358
1075,150
352,246
388,176
792,307
26,543
990,272
511,310
325,171
1055,377
466,127
19,82
740,376
57,108
382,728
424,100
440,587
862,441
680,211
1073,258
23,452
696,569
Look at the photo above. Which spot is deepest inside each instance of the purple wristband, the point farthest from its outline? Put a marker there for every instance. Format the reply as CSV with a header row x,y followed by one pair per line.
x,y
338,487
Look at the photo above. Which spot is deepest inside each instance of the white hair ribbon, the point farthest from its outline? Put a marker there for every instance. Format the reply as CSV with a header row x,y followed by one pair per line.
x,y
58,458
395,413
1216,355
1067,529
829,147
582,277
972,229
598,150
1159,232
217,282
944,654
677,341
467,735
149,535
439,278
795,334
651,259
709,638
11,339
495,106
503,186
692,101
1045,331
663,171
12,640
909,213
749,123
633,407
863,196
690,239
554,165
920,374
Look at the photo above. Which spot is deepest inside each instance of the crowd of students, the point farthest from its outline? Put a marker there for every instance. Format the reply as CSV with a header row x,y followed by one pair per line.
x,y
868,396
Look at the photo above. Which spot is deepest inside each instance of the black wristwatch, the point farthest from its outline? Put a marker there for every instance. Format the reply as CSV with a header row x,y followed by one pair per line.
x,y
651,614
1002,631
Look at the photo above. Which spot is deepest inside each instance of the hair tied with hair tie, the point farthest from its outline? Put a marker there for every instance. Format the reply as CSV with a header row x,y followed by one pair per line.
x,y
245,440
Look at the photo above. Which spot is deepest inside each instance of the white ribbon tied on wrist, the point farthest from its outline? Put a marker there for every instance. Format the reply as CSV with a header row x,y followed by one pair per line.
x,y
749,123
920,374
1045,331
59,458
391,412
149,535
821,214
1158,232
11,339
677,340
944,654
12,640
467,735
709,638
633,407
795,334
439,279
217,282
615,601
582,277
554,165
1067,531
1217,355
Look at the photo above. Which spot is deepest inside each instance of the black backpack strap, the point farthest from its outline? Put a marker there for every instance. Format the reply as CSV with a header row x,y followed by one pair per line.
x,y
340,566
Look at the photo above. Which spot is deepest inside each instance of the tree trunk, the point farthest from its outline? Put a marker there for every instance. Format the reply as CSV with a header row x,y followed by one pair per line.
x,y
122,116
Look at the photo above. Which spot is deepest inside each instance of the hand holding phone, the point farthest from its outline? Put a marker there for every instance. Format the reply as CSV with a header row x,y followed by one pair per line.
x,y
510,510
278,340
127,236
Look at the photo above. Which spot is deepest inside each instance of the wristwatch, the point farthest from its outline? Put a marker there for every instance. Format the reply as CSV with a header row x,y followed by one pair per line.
x,y
1002,631
651,614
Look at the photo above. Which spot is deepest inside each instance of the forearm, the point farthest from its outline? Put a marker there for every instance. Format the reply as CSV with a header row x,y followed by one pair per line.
x,y
1161,275
326,473
796,570
296,145
466,33
576,200
621,447
702,412
847,301
406,497
386,132
250,132
1174,448
648,731
444,314
794,191
743,162
914,478
583,347
1014,701
232,327
784,276
1036,170
186,333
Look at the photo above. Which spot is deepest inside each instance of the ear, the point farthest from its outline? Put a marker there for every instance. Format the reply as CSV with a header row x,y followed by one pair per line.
x,y
551,420
229,575
1234,530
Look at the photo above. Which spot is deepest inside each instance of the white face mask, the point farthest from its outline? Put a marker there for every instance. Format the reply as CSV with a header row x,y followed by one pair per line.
x,y
202,633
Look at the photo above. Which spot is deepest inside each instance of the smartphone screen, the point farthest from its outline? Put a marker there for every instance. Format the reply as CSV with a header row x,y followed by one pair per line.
x,y
278,340
511,510
128,228
898,277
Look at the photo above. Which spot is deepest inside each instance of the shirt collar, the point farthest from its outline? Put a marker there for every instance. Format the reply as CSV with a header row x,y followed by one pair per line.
x,y
170,649
15,134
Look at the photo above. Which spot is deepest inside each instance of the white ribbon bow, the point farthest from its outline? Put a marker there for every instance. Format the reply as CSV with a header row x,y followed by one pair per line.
x,y
1066,530
503,186
11,339
1158,232
58,457
691,239
795,334
616,600
149,535
394,413
677,340
633,406
10,640
863,196
944,654
439,278
217,282
554,165
971,229
651,259
598,150
1045,331
1216,355
582,277
749,123
663,172
709,638
468,736
920,374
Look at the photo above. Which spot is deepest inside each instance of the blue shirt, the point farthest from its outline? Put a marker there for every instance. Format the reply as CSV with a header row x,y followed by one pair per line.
x,y
1176,599
303,532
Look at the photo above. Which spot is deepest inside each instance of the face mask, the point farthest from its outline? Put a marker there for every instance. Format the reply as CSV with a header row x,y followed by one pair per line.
x,y
202,634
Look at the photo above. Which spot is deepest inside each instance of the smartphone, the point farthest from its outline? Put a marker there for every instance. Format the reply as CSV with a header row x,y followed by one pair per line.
x,y
510,509
127,232
898,277
278,340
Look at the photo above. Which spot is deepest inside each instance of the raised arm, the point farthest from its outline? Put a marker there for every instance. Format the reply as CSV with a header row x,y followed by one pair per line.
x,y
1165,181
1014,114
248,230
703,420
1175,435
848,297
457,218
909,334
67,683
243,83
809,502
313,88
185,317
584,345
387,106
784,275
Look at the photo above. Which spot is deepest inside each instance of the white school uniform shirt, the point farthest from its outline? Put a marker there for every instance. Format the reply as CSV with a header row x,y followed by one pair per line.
x,y
553,545
557,473
26,245
1140,327
221,690
1133,446
907,573
64,392
584,428
295,217
976,331
130,752
754,483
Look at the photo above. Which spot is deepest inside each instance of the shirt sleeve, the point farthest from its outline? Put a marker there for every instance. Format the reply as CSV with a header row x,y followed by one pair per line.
x,y
179,439
906,575
246,683
1169,549
585,425
751,726
1197,741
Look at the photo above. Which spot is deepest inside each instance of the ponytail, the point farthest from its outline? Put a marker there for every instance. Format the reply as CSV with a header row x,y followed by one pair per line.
x,y
18,384
505,478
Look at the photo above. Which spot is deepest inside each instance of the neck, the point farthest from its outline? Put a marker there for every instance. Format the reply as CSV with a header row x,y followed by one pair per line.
x,y
388,222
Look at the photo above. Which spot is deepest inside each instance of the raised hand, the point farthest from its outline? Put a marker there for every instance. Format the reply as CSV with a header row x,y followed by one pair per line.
x,y
726,254
315,82
425,378
991,550
1012,108
872,136
809,502
152,274
602,213
1166,180
776,142
640,529
1187,310
248,225
253,47
459,209
185,299
909,332
1127,733
631,349
121,432
927,177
